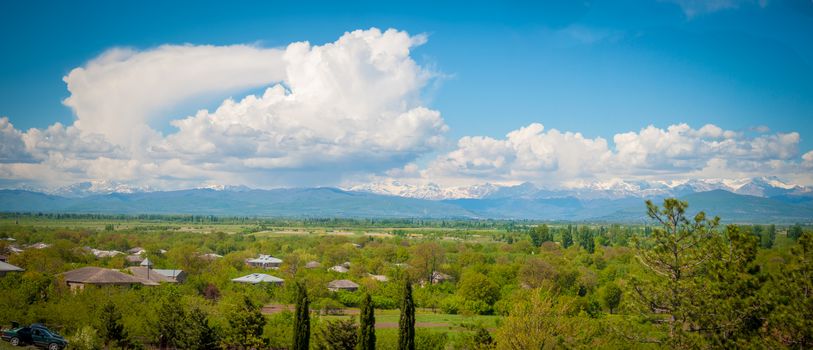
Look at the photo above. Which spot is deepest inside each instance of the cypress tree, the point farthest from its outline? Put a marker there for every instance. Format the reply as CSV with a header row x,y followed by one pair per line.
x,y
302,323
406,325
366,325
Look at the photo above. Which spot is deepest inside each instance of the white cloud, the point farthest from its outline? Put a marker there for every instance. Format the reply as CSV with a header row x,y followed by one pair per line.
x,y
807,160
556,158
118,93
12,147
344,107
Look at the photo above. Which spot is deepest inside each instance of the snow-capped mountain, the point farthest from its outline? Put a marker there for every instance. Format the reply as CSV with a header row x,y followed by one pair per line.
x,y
612,189
427,191
96,187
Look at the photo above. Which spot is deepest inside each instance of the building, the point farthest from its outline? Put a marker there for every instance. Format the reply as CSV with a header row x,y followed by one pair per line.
x,y
134,259
97,276
313,265
438,277
264,261
98,253
345,285
380,278
210,256
136,251
39,245
158,275
6,268
256,278
339,269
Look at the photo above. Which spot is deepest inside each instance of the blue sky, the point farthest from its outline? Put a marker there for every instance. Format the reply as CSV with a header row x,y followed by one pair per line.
x,y
596,67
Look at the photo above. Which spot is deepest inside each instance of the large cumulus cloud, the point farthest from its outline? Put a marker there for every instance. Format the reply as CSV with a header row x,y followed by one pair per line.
x,y
353,105
677,152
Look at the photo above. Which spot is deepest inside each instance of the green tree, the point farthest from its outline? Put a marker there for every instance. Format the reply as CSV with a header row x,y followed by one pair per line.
x,y
366,336
586,240
792,319
479,291
567,237
199,335
540,234
338,335
302,323
794,232
768,237
730,311
246,323
612,296
406,324
111,328
171,321
675,254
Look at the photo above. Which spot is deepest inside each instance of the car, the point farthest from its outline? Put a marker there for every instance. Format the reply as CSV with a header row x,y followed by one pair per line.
x,y
35,334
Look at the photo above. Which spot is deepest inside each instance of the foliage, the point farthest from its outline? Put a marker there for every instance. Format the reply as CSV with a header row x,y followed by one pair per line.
x,y
366,335
406,324
338,335
112,329
245,324
302,323
612,296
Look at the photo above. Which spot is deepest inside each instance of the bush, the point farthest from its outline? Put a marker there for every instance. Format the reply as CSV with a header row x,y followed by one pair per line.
x,y
452,305
86,338
327,306
428,340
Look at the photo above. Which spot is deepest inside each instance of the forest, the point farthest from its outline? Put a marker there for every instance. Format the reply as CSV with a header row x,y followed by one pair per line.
x,y
680,280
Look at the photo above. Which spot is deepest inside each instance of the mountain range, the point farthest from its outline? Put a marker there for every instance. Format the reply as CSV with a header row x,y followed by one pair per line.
x,y
761,200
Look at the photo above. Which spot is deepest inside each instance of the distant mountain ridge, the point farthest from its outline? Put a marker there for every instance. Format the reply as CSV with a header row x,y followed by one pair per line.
x,y
523,202
613,189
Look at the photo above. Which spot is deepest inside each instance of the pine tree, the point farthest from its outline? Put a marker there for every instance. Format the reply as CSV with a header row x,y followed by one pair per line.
x,y
567,238
677,254
406,325
198,334
246,323
302,324
111,328
171,320
367,325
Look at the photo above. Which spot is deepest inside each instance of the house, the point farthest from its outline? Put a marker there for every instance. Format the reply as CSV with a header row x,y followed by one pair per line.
x,y
39,245
438,277
134,259
345,285
137,251
264,261
97,276
380,278
210,256
313,265
339,269
256,278
3,258
6,267
158,275
98,253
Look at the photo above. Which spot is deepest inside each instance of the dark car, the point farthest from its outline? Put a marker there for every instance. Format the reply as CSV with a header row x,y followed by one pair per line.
x,y
37,335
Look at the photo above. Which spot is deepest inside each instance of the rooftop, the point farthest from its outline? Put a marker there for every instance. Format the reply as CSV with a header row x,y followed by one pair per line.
x,y
255,278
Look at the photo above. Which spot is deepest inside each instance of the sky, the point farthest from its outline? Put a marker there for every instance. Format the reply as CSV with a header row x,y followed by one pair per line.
x,y
171,95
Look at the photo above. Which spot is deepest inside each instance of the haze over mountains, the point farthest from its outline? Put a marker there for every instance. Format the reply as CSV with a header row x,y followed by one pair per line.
x,y
749,200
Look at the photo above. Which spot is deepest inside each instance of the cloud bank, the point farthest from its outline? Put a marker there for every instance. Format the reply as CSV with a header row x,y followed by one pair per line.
x,y
344,112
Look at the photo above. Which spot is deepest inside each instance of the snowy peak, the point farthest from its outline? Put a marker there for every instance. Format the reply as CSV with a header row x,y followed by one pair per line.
x,y
426,191
96,187
611,189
